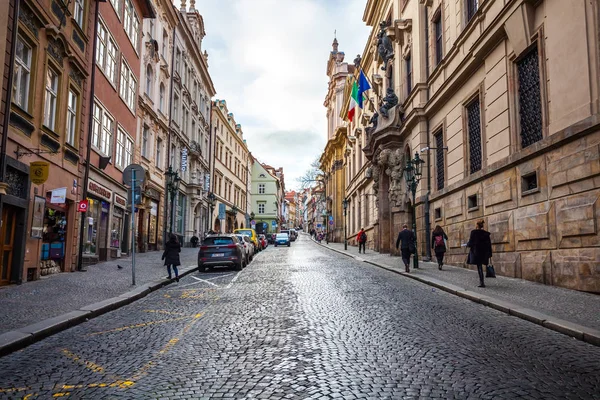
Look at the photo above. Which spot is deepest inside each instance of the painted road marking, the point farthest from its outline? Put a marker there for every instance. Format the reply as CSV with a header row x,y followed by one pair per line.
x,y
140,325
163,312
205,281
235,278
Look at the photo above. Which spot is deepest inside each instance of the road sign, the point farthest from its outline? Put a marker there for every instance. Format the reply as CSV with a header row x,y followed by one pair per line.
x,y
38,171
140,174
331,217
318,226
221,211
82,206
330,222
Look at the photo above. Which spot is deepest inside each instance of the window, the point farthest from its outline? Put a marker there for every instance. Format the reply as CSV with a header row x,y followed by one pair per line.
x,y
149,74
474,132
529,183
437,28
158,160
472,6
437,213
124,150
102,129
145,141
177,60
78,12
72,118
261,188
439,159
128,86
172,157
261,208
472,202
22,74
408,74
161,100
151,28
106,53
530,102
131,23
117,6
50,99
164,44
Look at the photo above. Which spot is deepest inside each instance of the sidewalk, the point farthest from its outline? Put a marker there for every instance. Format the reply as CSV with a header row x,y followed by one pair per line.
x,y
567,311
37,309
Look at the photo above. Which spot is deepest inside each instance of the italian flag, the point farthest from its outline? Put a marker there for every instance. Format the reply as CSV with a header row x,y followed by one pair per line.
x,y
353,101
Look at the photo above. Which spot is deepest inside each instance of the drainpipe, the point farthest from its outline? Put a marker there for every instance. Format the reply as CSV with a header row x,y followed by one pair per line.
x,y
86,172
427,204
168,152
210,166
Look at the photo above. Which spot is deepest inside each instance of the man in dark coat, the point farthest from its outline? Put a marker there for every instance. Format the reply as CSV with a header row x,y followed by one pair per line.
x,y
480,252
405,241
171,255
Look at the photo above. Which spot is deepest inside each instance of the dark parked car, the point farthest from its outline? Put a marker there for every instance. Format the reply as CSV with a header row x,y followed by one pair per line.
x,y
224,250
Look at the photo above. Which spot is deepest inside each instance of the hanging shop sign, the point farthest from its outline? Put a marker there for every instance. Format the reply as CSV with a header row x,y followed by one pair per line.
x,y
120,201
184,156
38,172
82,206
59,196
100,191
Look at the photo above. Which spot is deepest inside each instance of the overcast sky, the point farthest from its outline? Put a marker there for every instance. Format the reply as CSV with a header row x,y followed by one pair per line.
x,y
268,59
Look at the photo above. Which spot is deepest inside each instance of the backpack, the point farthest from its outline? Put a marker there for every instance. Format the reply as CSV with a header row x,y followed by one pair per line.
x,y
363,237
439,241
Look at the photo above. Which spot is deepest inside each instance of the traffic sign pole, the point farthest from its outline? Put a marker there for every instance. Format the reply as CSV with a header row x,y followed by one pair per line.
x,y
133,227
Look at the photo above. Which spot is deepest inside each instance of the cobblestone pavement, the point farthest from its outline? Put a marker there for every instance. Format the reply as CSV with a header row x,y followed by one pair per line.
x,y
299,323
570,305
57,294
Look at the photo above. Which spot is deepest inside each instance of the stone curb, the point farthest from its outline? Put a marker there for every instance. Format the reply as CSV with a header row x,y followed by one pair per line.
x,y
19,338
588,335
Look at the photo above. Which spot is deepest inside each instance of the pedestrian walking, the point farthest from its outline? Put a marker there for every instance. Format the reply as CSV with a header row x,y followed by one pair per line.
x,y
406,243
438,244
480,249
171,255
361,238
194,240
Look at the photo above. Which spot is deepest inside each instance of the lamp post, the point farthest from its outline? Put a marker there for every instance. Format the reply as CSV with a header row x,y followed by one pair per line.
x,y
412,174
252,215
172,187
345,203
210,199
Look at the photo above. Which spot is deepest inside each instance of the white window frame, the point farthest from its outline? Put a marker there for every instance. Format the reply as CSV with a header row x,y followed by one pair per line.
x,y
51,98
78,12
149,79
158,152
22,75
131,24
120,147
128,85
161,98
145,135
117,6
71,128
102,130
106,53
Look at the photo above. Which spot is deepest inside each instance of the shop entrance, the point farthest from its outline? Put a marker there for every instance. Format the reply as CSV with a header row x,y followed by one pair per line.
x,y
53,239
7,238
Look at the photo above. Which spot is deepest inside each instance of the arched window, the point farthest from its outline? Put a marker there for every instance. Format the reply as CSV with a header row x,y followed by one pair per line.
x,y
149,74
161,101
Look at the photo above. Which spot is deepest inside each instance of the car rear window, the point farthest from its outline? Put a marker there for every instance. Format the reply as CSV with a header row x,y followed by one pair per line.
x,y
216,241
247,232
282,236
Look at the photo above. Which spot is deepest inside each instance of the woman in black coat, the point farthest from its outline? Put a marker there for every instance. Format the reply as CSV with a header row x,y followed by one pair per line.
x,y
438,244
171,255
481,249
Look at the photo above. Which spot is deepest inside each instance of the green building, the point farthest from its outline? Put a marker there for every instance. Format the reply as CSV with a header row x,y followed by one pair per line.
x,y
267,196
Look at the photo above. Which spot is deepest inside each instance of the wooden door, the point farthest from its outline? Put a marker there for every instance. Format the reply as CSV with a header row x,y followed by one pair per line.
x,y
7,238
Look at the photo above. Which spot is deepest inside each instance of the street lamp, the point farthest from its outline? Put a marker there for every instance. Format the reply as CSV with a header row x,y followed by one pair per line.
x,y
211,199
412,173
172,187
345,203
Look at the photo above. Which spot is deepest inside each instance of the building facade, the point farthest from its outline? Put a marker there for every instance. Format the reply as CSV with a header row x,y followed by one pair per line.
x,y
332,161
483,91
230,175
47,107
266,198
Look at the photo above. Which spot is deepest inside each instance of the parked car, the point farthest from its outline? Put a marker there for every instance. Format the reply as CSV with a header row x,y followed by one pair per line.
x,y
293,235
248,232
249,248
282,239
221,249
263,240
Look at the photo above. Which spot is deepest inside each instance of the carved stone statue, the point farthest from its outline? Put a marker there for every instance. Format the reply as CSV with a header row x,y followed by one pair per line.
x,y
370,129
384,46
391,162
357,61
390,100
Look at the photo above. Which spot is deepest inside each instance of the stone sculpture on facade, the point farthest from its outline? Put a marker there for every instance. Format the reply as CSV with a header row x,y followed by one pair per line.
x,y
385,48
373,121
391,162
357,61
390,100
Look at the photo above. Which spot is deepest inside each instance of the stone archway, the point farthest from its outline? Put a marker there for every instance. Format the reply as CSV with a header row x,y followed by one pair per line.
x,y
235,224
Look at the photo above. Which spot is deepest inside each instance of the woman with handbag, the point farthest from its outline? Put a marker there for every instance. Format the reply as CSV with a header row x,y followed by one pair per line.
x,y
480,251
171,255
438,244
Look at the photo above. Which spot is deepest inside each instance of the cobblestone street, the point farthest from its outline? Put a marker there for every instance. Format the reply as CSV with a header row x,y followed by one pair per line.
x,y
297,323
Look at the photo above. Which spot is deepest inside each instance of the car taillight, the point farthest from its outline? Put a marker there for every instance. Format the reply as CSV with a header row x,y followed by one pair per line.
x,y
204,248
231,246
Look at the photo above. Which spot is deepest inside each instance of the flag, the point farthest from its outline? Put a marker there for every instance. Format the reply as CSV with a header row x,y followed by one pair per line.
x,y
353,101
363,86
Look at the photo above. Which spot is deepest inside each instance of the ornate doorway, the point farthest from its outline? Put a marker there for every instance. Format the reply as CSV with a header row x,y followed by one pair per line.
x,y
7,238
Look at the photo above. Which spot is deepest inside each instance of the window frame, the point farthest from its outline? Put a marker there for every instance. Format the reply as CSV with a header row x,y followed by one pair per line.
x,y
110,54
26,102
131,24
81,5
103,144
149,80
438,37
144,144
263,187
158,153
51,125
475,96
73,118
470,11
126,92
409,73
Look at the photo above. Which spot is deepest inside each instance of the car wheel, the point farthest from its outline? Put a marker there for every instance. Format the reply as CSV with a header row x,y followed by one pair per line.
x,y
239,266
201,268
289,244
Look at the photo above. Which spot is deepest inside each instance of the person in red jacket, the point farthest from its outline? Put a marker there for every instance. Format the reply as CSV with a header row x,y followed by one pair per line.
x,y
361,238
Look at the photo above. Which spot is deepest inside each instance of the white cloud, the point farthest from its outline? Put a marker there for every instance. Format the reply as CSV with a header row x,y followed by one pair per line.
x,y
268,58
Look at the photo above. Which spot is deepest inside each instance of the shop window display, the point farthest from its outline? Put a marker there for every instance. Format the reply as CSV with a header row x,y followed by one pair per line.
x,y
53,241
116,229
91,227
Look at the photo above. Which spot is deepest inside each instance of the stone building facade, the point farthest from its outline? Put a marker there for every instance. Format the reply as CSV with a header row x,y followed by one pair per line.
x,y
501,98
332,161
230,175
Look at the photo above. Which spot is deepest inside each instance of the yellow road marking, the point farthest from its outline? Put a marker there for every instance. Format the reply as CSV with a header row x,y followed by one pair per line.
x,y
61,394
11,390
163,312
29,396
88,364
140,325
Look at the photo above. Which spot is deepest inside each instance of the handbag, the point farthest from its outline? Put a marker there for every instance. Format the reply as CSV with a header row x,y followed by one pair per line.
x,y
489,271
412,248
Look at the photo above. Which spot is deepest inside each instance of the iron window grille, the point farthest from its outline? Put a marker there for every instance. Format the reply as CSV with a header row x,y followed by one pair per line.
x,y
439,160
474,129
530,102
408,74
472,6
438,39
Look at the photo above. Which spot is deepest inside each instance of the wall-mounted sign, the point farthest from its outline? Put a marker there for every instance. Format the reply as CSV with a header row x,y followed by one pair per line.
x,y
120,201
38,172
100,191
207,183
37,222
184,155
82,206
59,196
221,211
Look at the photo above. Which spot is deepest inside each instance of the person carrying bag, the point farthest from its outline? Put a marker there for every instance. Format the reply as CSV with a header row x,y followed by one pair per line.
x,y
480,252
438,244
